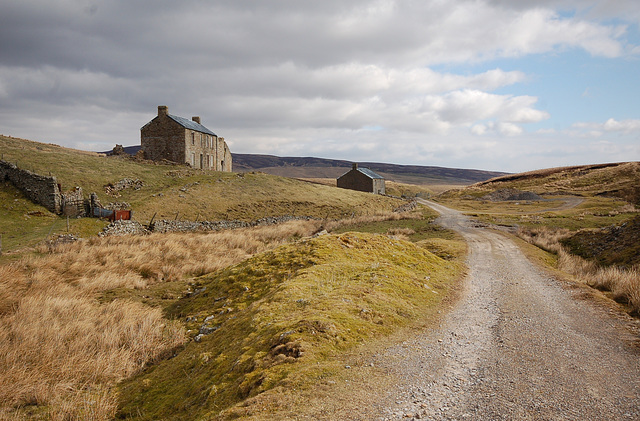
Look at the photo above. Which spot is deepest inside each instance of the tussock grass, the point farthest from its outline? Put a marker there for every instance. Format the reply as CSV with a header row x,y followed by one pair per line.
x,y
66,338
54,345
358,221
61,347
103,263
280,319
624,284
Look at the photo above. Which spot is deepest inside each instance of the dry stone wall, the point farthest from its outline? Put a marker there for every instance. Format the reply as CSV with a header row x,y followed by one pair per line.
x,y
163,226
40,189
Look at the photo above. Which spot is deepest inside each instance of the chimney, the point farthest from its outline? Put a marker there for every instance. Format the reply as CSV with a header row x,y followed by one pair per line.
x,y
163,110
196,119
354,166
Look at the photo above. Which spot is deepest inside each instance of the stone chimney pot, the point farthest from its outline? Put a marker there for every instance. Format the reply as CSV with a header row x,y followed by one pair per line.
x,y
355,166
196,119
163,110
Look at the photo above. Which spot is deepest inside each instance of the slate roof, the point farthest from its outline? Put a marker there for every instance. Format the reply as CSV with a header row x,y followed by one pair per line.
x,y
370,174
190,124
367,172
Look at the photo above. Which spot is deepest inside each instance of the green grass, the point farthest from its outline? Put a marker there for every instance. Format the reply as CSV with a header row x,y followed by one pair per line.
x,y
23,223
169,192
282,317
594,212
423,228
407,190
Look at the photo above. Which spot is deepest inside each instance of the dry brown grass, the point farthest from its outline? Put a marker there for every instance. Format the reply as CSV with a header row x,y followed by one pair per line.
x,y
138,261
624,284
401,231
60,348
365,219
63,350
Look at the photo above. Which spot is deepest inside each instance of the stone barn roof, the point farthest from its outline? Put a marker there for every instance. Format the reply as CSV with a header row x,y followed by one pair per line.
x,y
192,125
366,171
370,174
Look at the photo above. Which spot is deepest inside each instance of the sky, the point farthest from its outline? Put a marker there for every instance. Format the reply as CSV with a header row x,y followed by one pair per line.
x,y
503,85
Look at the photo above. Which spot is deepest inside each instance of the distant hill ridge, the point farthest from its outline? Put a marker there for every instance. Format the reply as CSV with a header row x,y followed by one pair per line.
x,y
309,167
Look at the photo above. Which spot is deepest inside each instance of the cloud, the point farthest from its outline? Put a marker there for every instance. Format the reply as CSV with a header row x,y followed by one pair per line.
x,y
492,127
609,126
288,77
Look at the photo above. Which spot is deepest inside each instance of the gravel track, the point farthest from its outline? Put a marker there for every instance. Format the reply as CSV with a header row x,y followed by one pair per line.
x,y
516,346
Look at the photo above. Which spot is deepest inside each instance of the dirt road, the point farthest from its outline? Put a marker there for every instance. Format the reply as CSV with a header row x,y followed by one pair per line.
x,y
517,345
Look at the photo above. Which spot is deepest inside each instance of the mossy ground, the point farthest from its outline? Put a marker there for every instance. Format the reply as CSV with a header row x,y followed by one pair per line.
x,y
281,318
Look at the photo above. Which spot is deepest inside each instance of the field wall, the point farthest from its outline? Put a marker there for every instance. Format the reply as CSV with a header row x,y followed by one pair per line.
x,y
40,189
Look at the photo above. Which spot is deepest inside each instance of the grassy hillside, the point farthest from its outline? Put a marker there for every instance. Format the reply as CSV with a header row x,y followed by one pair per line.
x,y
619,180
280,318
109,325
607,195
77,319
169,191
587,218
616,245
306,167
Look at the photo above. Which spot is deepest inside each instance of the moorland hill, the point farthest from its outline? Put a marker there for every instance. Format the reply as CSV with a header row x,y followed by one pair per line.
x,y
164,190
310,167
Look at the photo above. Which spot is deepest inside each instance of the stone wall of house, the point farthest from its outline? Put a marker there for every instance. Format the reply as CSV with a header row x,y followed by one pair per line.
x,y
74,203
226,163
40,189
162,138
355,180
207,152
378,186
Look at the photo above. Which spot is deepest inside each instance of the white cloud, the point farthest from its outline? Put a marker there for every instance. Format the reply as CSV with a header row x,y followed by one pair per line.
x,y
625,126
609,126
493,128
295,77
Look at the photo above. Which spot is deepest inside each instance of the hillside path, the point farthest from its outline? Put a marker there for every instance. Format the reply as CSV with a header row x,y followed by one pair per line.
x,y
517,345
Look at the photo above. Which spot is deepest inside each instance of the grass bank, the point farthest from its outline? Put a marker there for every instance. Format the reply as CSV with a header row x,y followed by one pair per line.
x,y
280,318
78,318
119,303
620,283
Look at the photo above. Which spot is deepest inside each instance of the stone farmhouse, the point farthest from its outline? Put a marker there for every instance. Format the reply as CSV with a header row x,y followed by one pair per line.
x,y
177,139
362,179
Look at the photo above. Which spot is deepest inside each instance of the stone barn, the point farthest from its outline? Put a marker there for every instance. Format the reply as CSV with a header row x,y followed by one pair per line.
x,y
362,179
176,139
